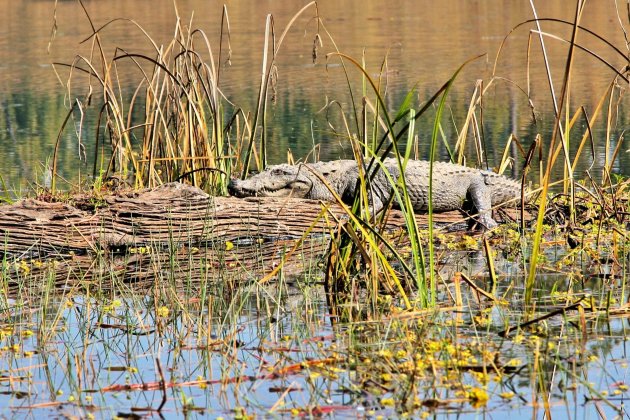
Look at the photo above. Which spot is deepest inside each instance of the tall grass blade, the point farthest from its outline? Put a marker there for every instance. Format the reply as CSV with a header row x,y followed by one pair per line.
x,y
531,277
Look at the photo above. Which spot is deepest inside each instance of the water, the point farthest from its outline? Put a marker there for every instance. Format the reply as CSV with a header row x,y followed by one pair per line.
x,y
275,351
90,347
424,43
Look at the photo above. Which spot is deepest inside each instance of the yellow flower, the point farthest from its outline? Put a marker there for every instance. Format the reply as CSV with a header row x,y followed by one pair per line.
x,y
450,349
202,382
388,402
162,312
507,395
518,339
514,362
433,346
24,267
478,397
481,377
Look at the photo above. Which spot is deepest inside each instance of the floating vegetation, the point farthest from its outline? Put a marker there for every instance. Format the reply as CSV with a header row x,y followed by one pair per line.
x,y
220,348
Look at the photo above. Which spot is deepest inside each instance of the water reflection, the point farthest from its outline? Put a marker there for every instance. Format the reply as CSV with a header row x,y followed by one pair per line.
x,y
223,349
422,50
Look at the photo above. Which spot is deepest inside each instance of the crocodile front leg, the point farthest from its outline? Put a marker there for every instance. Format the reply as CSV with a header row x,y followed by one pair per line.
x,y
482,201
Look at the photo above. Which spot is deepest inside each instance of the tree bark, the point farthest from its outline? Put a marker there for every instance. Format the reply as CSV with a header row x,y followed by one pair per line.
x,y
171,214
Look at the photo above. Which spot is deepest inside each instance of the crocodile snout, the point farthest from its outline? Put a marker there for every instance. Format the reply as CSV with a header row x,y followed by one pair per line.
x,y
234,189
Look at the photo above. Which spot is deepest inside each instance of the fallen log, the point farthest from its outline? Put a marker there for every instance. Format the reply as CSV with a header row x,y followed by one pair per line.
x,y
172,214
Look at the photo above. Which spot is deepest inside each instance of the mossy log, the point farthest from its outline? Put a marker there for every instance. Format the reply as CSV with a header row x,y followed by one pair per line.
x,y
173,214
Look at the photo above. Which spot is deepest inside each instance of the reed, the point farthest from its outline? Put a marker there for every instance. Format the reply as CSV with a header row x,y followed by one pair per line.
x,y
370,147
271,50
173,125
562,131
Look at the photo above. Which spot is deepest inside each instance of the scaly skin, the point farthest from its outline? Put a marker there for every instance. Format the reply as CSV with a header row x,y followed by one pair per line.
x,y
453,185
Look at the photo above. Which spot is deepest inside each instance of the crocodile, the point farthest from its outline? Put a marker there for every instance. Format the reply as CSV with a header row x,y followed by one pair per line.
x,y
455,187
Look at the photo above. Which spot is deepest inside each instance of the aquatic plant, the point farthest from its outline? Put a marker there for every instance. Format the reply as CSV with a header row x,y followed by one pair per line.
x,y
174,125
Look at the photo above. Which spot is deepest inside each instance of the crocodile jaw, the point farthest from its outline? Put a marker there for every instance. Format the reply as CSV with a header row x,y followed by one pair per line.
x,y
271,188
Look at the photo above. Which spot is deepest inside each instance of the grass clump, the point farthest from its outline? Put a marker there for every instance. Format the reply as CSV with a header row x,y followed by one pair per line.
x,y
176,125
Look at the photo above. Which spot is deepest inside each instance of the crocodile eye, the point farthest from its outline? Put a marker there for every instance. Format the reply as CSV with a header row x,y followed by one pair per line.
x,y
277,172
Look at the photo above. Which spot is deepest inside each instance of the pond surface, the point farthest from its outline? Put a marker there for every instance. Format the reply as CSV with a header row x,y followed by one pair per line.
x,y
424,42
104,343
